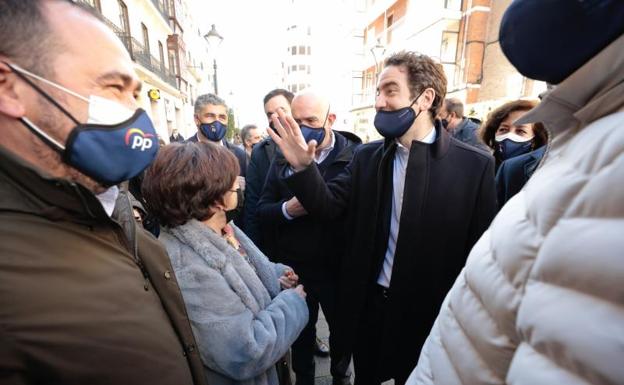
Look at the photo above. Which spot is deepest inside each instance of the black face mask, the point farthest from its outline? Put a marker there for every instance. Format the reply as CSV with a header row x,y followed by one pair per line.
x,y
233,214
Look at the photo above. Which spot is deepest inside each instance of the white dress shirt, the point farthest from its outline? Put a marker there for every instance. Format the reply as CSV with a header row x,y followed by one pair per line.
x,y
108,198
398,180
318,159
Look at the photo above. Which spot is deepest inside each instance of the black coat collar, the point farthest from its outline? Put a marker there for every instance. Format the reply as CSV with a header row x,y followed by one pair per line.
x,y
438,148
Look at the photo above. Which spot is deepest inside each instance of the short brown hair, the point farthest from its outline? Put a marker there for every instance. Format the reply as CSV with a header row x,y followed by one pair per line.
x,y
454,105
186,179
496,117
422,73
278,92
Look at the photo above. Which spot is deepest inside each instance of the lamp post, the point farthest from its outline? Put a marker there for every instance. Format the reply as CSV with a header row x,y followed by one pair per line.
x,y
214,40
378,51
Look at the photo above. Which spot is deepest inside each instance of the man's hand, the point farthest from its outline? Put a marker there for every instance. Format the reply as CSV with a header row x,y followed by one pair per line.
x,y
294,208
297,152
289,279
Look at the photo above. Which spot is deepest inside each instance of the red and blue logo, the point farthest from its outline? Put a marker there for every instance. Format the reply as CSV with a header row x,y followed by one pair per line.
x,y
139,139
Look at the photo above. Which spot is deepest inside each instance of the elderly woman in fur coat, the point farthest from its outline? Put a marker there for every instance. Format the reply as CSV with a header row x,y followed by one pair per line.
x,y
245,311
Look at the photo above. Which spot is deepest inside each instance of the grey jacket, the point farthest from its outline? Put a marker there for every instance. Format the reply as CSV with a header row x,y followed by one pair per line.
x,y
243,323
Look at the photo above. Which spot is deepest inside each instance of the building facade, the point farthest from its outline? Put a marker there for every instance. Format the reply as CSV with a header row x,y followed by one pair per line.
x,y
461,34
154,33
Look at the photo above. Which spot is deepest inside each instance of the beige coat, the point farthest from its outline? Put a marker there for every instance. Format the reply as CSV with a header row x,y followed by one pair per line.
x,y
541,299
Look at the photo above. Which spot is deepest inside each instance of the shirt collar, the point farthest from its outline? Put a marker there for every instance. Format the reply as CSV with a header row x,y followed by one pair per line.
x,y
108,199
324,152
428,139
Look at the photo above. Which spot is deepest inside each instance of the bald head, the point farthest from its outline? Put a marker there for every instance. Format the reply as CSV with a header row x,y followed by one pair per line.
x,y
312,110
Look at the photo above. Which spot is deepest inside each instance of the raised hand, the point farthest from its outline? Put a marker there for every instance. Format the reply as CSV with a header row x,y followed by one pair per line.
x,y
297,152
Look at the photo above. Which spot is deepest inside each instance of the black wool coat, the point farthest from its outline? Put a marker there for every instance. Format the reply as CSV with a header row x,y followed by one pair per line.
x,y
257,169
307,242
448,202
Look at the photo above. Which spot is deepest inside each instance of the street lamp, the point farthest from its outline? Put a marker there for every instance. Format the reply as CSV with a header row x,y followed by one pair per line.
x,y
214,40
378,51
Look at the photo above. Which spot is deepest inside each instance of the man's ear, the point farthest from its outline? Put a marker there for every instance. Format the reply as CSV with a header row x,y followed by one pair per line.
x,y
426,99
11,102
331,118
197,122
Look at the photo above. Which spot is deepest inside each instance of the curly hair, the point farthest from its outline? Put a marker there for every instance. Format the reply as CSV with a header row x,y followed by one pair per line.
x,y
496,117
186,179
422,73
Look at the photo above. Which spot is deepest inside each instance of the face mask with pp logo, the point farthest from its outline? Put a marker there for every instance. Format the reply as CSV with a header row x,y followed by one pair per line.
x,y
115,144
511,145
214,131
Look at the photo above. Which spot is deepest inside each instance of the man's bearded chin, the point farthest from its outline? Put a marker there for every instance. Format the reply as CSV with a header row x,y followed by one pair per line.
x,y
52,159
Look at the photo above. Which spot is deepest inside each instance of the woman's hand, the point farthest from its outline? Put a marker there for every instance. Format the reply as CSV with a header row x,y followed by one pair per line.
x,y
299,290
289,279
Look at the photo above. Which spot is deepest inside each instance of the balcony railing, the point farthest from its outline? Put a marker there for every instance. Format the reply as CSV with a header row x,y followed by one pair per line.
x,y
143,57
163,8
138,52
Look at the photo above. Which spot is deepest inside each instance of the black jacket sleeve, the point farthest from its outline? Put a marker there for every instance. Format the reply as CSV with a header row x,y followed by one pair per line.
x,y
323,200
254,181
501,185
485,206
269,209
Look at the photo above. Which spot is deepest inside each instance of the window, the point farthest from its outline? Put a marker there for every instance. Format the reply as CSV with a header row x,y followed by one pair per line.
x,y
302,67
293,68
293,50
389,21
309,31
308,69
95,4
301,87
124,21
448,47
301,50
453,4
172,67
145,38
161,53
308,50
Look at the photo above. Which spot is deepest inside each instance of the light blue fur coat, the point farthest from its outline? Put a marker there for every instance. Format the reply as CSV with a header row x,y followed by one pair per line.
x,y
243,322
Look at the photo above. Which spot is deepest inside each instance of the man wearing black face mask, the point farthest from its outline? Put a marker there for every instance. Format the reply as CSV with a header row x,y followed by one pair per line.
x,y
211,118
414,205
261,157
451,116
313,247
87,296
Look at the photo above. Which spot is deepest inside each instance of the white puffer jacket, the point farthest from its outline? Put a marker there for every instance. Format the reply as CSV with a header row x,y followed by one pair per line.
x,y
541,299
